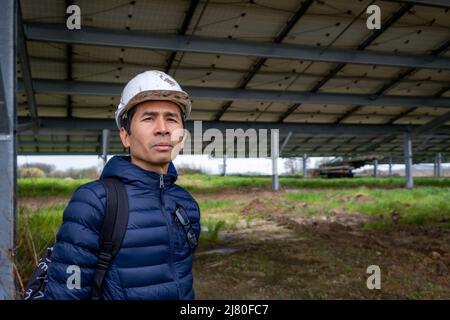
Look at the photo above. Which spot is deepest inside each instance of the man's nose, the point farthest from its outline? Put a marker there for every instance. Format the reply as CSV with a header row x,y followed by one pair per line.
x,y
161,127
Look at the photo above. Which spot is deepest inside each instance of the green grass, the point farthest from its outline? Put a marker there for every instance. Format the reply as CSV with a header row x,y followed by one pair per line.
x,y
39,187
211,184
196,183
211,229
213,221
37,230
211,204
388,182
418,206
428,203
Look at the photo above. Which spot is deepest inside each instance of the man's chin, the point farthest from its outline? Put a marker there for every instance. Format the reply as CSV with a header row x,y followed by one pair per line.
x,y
161,160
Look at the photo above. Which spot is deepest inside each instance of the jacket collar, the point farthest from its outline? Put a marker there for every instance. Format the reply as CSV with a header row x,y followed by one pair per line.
x,y
128,172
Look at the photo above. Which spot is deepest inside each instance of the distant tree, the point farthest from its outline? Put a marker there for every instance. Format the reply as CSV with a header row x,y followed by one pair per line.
x,y
294,165
289,166
58,174
46,168
84,173
31,173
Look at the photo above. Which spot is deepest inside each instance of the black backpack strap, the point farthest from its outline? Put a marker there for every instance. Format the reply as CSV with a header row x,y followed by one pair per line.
x,y
113,230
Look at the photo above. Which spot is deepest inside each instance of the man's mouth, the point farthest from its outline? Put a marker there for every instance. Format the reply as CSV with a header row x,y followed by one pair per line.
x,y
162,146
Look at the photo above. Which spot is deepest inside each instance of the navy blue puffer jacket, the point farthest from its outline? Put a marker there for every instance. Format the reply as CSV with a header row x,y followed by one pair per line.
x,y
155,261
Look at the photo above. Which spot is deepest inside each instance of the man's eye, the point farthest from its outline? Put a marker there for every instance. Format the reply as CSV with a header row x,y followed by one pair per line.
x,y
148,118
172,120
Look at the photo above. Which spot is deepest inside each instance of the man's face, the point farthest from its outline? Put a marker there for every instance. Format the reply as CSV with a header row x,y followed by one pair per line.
x,y
155,134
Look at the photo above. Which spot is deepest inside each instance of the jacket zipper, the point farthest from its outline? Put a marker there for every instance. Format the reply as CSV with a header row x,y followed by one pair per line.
x,y
168,220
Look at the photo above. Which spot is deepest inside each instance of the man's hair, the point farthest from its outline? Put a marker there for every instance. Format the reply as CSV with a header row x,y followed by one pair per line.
x,y
125,121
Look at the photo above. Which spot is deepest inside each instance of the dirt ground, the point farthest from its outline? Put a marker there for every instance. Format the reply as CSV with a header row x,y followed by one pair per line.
x,y
39,202
284,256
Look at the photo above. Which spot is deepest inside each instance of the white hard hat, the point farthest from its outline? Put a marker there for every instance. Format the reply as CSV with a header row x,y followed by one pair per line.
x,y
152,85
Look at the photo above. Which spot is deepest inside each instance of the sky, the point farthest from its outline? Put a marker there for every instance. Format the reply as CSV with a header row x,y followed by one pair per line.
x,y
206,164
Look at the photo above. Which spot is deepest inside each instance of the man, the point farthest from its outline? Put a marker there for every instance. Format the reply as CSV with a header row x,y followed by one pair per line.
x,y
155,260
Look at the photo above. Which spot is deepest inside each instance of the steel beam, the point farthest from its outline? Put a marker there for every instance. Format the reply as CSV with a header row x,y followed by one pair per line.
x,y
304,163
435,166
116,38
94,152
110,64
105,144
202,93
431,3
26,69
439,164
324,129
390,166
433,124
8,15
118,144
184,26
285,141
224,165
409,183
274,142
375,168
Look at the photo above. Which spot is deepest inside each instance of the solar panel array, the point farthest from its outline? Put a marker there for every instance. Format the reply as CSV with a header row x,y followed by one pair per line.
x,y
311,68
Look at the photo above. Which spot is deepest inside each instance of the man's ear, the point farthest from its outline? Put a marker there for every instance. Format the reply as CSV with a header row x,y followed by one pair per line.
x,y
124,136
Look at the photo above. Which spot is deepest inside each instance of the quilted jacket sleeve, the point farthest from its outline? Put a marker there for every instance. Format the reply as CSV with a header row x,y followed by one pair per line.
x,y
74,254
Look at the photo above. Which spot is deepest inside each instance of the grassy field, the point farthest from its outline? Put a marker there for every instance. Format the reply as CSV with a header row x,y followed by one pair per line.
x,y
423,205
37,187
317,230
